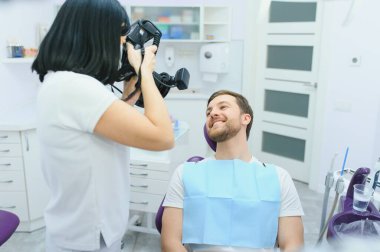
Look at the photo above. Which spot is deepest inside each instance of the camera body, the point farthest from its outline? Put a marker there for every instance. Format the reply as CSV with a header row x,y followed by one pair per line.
x,y
138,34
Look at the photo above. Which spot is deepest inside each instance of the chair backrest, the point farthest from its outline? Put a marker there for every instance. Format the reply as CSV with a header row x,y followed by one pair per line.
x,y
8,224
160,212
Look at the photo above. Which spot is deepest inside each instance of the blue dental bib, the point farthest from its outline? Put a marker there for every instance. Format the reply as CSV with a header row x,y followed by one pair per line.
x,y
230,203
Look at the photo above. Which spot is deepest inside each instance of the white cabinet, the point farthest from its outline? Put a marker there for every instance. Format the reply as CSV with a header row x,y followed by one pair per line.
x,y
22,188
150,173
185,23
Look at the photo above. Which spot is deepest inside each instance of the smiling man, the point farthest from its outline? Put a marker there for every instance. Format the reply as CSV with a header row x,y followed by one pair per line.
x,y
231,201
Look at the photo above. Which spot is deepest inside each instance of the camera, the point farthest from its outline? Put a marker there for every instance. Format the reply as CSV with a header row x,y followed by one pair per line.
x,y
138,34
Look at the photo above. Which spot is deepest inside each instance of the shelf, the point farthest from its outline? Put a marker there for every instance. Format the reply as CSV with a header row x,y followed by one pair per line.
x,y
17,60
187,24
215,23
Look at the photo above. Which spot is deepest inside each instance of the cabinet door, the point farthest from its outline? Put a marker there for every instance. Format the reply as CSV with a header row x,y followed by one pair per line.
x,y
15,202
12,181
149,174
216,23
9,137
152,186
145,202
11,164
35,183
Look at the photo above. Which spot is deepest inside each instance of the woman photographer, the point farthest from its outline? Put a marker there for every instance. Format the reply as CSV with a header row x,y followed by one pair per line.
x,y
84,128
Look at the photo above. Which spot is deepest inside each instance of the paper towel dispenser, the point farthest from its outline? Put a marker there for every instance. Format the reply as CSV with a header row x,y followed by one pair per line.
x,y
214,58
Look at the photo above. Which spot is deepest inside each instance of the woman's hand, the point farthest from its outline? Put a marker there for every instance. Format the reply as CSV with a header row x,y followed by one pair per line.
x,y
134,57
129,87
149,62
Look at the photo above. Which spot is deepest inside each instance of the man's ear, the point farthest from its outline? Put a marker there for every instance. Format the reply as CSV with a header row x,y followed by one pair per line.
x,y
246,119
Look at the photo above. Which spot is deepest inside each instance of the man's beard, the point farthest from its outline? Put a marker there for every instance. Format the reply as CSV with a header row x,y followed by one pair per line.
x,y
227,132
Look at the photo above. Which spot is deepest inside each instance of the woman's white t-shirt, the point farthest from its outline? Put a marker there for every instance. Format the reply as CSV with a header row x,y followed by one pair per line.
x,y
87,174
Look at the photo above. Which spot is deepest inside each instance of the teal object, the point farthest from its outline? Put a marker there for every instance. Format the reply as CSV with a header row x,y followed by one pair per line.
x,y
164,28
230,203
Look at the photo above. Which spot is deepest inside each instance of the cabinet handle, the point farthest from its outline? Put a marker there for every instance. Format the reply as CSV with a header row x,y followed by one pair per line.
x,y
5,150
139,165
139,202
3,137
6,181
8,164
7,207
140,186
138,174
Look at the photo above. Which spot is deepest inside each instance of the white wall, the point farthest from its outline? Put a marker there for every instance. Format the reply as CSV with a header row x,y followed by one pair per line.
x,y
187,55
348,115
18,21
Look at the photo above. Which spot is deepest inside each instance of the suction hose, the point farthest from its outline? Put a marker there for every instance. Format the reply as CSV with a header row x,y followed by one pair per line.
x,y
339,188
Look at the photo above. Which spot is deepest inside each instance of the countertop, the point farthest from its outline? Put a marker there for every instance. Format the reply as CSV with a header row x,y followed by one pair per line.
x,y
25,117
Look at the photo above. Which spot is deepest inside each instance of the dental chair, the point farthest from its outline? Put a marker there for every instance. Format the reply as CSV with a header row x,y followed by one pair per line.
x,y
160,212
348,215
8,224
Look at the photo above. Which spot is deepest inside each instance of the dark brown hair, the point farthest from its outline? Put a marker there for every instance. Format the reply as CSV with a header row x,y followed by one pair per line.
x,y
84,38
241,101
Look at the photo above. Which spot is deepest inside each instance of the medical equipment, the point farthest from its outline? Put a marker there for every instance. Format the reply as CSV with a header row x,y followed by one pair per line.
x,y
348,220
351,222
138,34
339,188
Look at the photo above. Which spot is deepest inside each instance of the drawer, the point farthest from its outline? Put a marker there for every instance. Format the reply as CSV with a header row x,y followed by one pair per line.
x,y
150,174
137,164
148,185
11,164
9,137
12,181
145,202
14,202
10,150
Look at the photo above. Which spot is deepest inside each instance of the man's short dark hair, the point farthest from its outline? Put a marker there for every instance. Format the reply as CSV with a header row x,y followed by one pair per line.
x,y
84,38
241,101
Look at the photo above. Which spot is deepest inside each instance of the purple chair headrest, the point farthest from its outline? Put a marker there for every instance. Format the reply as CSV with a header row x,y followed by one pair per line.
x,y
210,142
359,177
8,224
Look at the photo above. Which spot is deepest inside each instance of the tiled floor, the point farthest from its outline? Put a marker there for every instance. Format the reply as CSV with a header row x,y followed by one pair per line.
x,y
141,242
